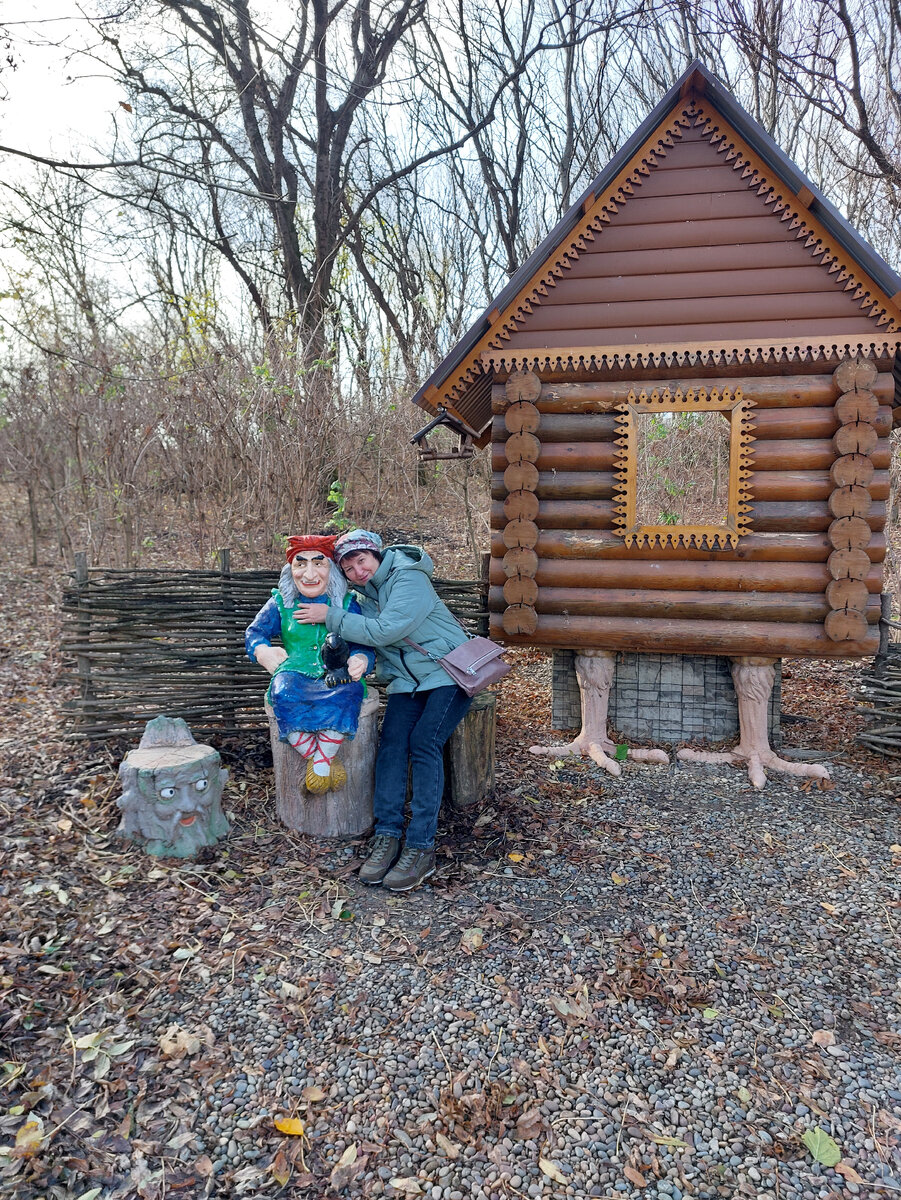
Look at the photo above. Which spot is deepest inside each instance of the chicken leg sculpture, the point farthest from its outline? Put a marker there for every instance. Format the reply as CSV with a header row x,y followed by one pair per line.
x,y
594,671
753,679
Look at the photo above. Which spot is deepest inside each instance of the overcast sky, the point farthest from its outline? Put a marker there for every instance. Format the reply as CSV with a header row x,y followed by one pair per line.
x,y
46,110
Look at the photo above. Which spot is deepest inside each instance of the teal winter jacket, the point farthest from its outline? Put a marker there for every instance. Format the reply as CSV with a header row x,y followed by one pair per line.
x,y
398,602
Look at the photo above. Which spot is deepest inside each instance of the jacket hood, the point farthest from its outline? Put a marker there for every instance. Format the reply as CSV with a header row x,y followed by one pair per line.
x,y
408,558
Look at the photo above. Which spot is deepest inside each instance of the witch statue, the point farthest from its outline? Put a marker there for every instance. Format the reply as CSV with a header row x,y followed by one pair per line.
x,y
316,688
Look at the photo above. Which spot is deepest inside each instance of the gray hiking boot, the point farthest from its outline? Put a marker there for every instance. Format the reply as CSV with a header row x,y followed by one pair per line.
x,y
382,856
410,870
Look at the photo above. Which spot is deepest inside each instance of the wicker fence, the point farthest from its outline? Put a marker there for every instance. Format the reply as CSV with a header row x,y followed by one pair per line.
x,y
141,643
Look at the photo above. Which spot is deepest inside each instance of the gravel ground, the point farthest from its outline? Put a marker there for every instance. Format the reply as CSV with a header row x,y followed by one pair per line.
x,y
651,986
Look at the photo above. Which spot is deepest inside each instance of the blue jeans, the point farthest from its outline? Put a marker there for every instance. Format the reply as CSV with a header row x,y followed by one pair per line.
x,y
414,730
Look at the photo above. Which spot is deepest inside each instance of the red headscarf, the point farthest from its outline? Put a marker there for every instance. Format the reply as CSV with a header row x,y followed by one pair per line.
x,y
324,544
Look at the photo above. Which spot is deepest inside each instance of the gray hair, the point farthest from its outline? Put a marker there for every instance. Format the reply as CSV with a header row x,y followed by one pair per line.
x,y
335,589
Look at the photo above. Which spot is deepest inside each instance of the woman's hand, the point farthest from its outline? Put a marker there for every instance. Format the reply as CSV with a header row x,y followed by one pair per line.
x,y
356,666
311,614
270,657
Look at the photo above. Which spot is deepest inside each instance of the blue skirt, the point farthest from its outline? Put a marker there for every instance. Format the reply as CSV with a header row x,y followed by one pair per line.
x,y
300,702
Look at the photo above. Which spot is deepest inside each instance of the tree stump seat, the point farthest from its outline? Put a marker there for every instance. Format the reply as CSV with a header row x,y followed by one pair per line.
x,y
342,813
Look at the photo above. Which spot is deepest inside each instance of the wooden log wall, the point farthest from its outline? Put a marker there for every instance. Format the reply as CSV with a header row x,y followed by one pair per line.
x,y
805,581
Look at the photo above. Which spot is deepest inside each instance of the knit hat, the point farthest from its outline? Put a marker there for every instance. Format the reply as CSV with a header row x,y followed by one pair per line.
x,y
357,539
324,544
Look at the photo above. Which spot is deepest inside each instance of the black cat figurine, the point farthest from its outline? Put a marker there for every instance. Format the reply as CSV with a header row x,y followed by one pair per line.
x,y
335,653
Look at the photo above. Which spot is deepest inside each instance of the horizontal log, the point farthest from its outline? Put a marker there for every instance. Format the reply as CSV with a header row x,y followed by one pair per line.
x,y
769,391
774,639
681,605
568,543
778,454
676,575
802,516
764,485
821,422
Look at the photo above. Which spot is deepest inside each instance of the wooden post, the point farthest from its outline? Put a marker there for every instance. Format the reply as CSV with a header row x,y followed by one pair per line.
x,y
83,660
469,756
228,619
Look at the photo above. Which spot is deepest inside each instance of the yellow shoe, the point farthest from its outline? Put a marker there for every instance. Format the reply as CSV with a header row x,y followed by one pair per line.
x,y
337,776
316,783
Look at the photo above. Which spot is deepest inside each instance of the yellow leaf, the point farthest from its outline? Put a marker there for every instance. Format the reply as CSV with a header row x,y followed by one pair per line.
x,y
552,1171
290,1125
29,1138
618,879
516,857
472,940
661,1140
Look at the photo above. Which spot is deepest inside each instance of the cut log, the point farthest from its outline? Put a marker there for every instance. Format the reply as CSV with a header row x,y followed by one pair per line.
x,y
521,417
469,756
520,533
677,574
521,504
563,485
849,533
520,561
848,593
849,564
567,543
522,447
563,514
663,604
345,813
767,391
855,374
689,637
843,625
521,477
520,590
857,406
519,619
522,385
853,470
859,437
850,501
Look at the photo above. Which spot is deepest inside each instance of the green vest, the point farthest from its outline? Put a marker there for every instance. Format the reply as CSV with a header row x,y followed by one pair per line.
x,y
303,643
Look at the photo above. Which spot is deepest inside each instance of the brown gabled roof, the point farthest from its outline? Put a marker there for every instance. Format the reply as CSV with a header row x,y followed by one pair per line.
x,y
699,243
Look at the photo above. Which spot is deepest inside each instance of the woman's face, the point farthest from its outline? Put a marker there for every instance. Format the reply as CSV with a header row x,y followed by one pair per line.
x,y
360,566
310,570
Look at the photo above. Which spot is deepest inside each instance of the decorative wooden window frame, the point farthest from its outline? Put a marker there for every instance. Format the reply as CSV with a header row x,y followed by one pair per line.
x,y
700,537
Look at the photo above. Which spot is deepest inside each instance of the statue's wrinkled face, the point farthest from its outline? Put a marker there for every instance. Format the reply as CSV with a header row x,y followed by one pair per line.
x,y
174,810
310,571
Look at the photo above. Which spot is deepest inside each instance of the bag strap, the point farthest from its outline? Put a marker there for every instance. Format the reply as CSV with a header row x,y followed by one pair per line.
x,y
422,649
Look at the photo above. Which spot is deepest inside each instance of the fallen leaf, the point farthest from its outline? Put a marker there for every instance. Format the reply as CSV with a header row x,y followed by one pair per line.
x,y
823,1037
29,1138
516,857
710,1014
406,1184
847,1172
313,1094
204,1166
552,1171
293,1126
280,1169
445,1144
830,908
822,1147
661,1140
90,1194
529,1125
618,879
895,849
635,1177
347,1168
177,1042
472,940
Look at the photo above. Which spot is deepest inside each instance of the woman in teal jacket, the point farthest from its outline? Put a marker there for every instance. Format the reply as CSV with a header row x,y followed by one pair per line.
x,y
397,602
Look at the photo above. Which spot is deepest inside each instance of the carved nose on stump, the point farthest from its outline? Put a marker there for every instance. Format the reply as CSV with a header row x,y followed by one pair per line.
x,y
342,813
